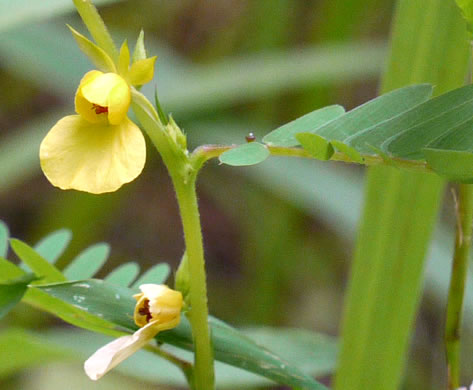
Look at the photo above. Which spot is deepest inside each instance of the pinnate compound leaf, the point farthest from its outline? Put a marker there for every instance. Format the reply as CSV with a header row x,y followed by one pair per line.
x,y
97,55
244,155
317,146
88,262
4,235
12,291
466,7
116,304
123,275
53,245
156,275
285,135
45,271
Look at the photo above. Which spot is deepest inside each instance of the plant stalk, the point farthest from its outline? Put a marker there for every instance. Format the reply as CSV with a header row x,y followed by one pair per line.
x,y
204,378
456,292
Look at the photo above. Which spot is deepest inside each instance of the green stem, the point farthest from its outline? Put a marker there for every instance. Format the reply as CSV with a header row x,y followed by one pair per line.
x,y
207,152
457,283
96,27
198,313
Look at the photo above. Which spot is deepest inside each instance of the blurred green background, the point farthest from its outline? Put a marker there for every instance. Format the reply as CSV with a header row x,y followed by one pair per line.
x,y
278,236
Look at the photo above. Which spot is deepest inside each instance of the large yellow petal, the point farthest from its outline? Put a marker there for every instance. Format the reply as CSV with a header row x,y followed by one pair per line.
x,y
118,102
142,71
84,156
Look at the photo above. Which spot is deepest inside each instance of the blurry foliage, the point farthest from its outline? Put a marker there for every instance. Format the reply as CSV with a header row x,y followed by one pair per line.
x,y
254,276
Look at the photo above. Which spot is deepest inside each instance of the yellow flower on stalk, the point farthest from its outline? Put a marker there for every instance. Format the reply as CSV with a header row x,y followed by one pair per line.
x,y
100,149
158,308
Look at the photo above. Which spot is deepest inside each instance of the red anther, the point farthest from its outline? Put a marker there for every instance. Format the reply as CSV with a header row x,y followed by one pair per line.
x,y
99,109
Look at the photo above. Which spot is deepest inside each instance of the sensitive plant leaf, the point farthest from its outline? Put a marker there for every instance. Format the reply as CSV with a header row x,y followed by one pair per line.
x,y
53,245
284,135
466,7
4,236
116,304
139,53
97,55
317,146
246,154
88,262
123,275
44,270
12,291
22,349
375,111
157,274
350,152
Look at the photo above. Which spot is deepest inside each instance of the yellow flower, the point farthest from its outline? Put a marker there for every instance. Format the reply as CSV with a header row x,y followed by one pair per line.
x,y
158,308
100,149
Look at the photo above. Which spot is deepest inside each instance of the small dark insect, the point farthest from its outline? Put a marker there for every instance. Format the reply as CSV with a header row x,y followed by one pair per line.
x,y
250,137
99,109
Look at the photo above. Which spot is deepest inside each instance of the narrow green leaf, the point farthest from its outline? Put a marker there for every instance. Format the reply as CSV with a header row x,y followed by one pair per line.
x,y
157,274
123,275
466,7
22,349
8,270
4,236
375,111
284,135
451,164
88,262
139,53
12,291
246,154
97,55
116,304
44,270
316,145
53,245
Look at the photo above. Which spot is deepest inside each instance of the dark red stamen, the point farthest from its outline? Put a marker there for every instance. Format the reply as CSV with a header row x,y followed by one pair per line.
x,y
99,109
144,311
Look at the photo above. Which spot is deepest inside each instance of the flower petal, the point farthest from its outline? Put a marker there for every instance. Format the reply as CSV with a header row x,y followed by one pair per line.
x,y
97,89
96,158
118,102
112,354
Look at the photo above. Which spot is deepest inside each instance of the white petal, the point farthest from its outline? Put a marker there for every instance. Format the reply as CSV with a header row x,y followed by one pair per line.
x,y
112,354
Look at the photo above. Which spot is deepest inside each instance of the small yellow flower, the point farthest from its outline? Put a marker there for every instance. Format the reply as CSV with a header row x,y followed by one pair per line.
x,y
100,149
158,308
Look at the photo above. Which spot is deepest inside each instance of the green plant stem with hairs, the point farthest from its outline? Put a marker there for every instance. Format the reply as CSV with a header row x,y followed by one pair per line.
x,y
464,205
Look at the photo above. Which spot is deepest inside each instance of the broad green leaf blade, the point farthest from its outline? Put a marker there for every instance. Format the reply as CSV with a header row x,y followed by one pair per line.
x,y
88,262
53,245
12,291
157,274
45,271
466,7
284,135
96,54
246,154
4,236
116,304
316,145
22,349
451,164
375,111
123,275
438,120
